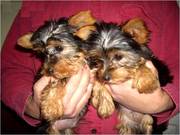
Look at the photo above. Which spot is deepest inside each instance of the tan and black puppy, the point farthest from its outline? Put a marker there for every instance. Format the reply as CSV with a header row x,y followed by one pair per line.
x,y
63,58
119,53
61,44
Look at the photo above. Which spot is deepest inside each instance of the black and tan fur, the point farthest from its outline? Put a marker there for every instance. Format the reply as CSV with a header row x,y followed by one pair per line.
x,y
119,53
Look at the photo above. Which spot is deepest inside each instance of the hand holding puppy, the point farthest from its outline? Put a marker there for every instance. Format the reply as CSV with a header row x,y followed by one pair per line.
x,y
147,103
78,91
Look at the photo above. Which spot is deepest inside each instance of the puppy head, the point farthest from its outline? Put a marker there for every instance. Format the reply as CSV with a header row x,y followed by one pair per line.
x,y
54,39
111,48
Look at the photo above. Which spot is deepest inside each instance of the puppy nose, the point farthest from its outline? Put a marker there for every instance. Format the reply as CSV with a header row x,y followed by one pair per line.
x,y
106,77
50,50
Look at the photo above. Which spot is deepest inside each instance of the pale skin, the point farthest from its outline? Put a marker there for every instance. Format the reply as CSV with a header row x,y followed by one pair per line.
x,y
79,90
150,103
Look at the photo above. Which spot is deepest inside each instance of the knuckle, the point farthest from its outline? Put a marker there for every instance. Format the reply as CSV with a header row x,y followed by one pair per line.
x,y
70,113
35,87
73,115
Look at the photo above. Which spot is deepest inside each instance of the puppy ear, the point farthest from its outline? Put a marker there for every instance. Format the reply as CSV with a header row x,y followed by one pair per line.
x,y
84,32
81,19
83,22
25,42
137,29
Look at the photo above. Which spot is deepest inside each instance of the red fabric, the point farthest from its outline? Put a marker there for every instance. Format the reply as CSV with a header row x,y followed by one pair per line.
x,y
19,68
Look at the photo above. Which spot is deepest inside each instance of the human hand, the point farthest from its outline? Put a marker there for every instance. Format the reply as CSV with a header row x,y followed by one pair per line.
x,y
78,91
33,102
154,102
127,86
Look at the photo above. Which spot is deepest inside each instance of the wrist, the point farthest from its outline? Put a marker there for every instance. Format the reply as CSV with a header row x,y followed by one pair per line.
x,y
165,103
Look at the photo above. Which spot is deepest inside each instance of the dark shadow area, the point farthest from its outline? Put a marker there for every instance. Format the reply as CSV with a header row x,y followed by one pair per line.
x,y
160,128
12,124
163,72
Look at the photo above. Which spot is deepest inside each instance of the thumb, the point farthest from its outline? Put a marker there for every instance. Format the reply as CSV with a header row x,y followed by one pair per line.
x,y
150,65
39,87
42,83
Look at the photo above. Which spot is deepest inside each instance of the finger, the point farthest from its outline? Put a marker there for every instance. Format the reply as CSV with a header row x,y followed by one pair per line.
x,y
65,123
72,85
52,79
39,87
84,100
81,88
116,89
111,91
42,83
92,78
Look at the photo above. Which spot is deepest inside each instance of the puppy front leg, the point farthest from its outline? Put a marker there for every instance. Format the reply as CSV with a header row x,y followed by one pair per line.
x,y
131,122
52,130
102,100
146,124
106,104
95,97
124,123
51,101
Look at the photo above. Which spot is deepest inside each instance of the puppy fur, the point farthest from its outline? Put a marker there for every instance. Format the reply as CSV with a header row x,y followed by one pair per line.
x,y
119,53
63,58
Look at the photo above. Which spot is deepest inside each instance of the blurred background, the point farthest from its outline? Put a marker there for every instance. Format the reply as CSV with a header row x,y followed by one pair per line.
x,y
10,123
9,10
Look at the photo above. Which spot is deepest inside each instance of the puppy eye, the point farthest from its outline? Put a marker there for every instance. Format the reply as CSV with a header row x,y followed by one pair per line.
x,y
117,57
59,48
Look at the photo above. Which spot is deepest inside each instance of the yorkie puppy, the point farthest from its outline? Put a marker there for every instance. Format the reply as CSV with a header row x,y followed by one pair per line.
x,y
63,58
61,44
119,53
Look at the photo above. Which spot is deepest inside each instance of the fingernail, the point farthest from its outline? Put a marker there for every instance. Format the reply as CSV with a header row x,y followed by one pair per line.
x,y
90,87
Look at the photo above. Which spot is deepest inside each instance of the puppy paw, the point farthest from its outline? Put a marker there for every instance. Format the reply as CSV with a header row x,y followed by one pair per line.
x,y
67,131
106,105
52,130
96,95
145,81
102,100
124,129
146,124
